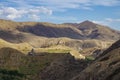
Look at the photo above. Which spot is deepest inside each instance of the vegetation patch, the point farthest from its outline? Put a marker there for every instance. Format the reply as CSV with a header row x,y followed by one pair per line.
x,y
11,75
89,58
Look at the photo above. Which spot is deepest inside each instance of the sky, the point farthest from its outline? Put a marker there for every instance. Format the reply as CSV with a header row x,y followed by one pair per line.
x,y
106,12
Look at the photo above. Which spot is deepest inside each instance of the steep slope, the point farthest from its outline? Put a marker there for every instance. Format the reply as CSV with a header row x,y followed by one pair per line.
x,y
105,67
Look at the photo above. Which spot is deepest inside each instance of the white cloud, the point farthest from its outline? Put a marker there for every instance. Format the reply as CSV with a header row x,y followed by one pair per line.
x,y
13,13
34,17
113,23
112,20
103,22
78,4
64,18
106,2
87,8
107,21
62,4
37,8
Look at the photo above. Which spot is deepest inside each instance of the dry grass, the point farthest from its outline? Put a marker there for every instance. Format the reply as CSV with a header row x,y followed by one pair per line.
x,y
54,49
22,47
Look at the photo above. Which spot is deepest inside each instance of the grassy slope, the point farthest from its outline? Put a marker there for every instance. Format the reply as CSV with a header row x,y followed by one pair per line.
x,y
23,47
29,65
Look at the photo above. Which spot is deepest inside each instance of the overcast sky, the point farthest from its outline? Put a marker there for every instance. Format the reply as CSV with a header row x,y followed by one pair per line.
x,y
106,12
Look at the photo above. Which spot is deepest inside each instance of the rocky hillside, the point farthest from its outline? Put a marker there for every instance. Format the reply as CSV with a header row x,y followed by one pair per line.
x,y
105,67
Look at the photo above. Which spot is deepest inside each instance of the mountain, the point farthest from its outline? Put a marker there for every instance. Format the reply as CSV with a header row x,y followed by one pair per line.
x,y
96,31
105,67
85,35
84,30
43,34
59,51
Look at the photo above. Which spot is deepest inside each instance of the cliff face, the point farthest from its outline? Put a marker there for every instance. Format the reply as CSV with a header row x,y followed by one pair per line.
x,y
105,67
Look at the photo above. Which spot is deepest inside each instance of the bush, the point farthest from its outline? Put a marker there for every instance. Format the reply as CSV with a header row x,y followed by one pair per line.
x,y
11,75
89,58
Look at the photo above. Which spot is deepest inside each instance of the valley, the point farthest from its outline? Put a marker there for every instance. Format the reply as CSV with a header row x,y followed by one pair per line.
x,y
47,51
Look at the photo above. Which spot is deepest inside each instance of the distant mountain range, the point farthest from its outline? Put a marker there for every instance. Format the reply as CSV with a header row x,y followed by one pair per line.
x,y
43,34
84,30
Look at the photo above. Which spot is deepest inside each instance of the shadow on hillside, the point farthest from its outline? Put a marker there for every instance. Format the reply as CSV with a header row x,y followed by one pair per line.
x,y
52,66
48,31
10,37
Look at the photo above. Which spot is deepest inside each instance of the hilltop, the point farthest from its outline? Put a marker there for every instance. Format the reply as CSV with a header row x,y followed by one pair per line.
x,y
96,31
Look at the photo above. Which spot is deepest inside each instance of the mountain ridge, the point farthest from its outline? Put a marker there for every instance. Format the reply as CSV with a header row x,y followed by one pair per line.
x,y
84,30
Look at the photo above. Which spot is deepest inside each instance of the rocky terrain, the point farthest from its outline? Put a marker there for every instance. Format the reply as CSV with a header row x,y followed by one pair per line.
x,y
105,67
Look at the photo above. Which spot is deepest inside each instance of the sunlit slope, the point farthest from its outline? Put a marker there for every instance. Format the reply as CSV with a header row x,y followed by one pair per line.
x,y
22,47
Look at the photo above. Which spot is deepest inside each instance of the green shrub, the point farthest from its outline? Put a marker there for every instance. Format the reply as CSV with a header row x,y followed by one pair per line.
x,y
11,75
89,58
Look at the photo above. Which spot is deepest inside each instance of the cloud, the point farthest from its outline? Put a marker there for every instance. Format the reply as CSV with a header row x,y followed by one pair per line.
x,y
34,17
64,18
112,20
103,22
57,5
19,9
74,4
106,2
13,13
107,21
